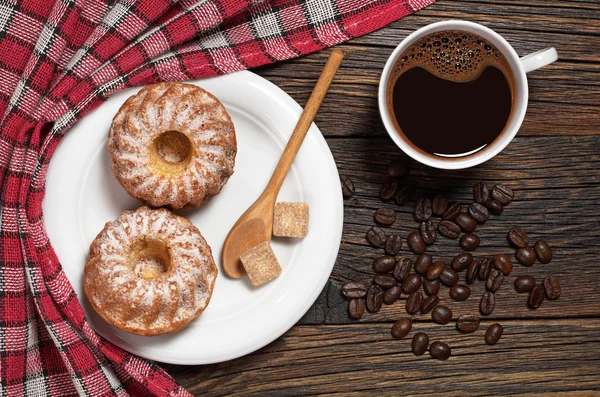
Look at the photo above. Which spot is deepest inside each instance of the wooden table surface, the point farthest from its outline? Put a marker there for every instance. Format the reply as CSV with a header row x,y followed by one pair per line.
x,y
552,165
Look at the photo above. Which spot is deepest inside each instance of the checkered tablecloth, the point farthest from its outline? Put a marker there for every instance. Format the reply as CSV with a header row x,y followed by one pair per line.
x,y
59,59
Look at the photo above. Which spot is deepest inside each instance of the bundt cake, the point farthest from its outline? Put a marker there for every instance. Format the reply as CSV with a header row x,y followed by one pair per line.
x,y
149,272
172,144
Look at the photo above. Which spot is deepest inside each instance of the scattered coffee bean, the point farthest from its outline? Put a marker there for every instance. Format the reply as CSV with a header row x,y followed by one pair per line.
x,y
384,264
485,266
393,244
388,189
435,270
469,242
354,290
376,236
385,216
503,263
385,281
543,251
441,314
453,209
479,212
414,302
391,295
397,169
428,232
439,205
416,243
374,298
524,283
502,193
347,186
422,263
487,303
461,261
536,297
429,303
449,229
403,195
466,222
403,268
494,206
460,292
422,209
401,328
420,343
552,287
431,287
481,192
440,350
493,334
468,322
494,281
411,284
449,277
472,272
526,256
518,237
356,308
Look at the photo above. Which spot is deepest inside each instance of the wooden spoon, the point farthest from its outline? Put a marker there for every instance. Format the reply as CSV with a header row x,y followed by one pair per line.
x,y
256,224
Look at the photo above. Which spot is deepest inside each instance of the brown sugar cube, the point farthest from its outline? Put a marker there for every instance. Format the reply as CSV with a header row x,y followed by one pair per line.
x,y
290,220
261,264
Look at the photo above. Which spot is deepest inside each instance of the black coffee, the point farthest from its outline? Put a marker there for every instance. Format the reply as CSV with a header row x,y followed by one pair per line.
x,y
450,94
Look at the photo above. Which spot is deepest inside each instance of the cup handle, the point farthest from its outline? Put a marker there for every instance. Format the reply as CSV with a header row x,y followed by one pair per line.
x,y
539,59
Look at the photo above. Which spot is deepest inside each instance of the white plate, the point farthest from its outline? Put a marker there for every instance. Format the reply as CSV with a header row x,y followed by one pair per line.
x,y
82,195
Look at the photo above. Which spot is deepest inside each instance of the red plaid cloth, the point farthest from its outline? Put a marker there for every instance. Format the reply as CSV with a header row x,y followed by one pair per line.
x,y
59,60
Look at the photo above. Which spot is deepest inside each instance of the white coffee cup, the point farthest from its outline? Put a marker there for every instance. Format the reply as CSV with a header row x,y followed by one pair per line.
x,y
519,66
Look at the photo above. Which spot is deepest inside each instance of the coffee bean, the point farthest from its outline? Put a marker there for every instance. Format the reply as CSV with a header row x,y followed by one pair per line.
x,y
431,287
384,264
494,281
420,343
393,244
435,270
449,277
461,261
552,287
376,236
388,189
422,263
536,297
385,216
440,350
428,232
460,292
493,334
487,303
449,229
543,251
517,237
479,212
502,193
429,303
441,314
403,268
472,272
526,256
524,283
503,263
414,302
374,298
439,205
453,209
494,206
466,222
416,243
397,169
481,192
469,242
391,295
422,209
485,266
411,284
468,322
385,281
354,290
347,186
356,308
401,328
403,195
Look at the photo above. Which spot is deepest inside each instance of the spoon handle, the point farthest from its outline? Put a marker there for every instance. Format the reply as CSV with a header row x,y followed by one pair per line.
x,y
306,119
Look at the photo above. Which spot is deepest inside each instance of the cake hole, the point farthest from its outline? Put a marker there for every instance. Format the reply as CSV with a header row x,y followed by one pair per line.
x,y
171,151
150,258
